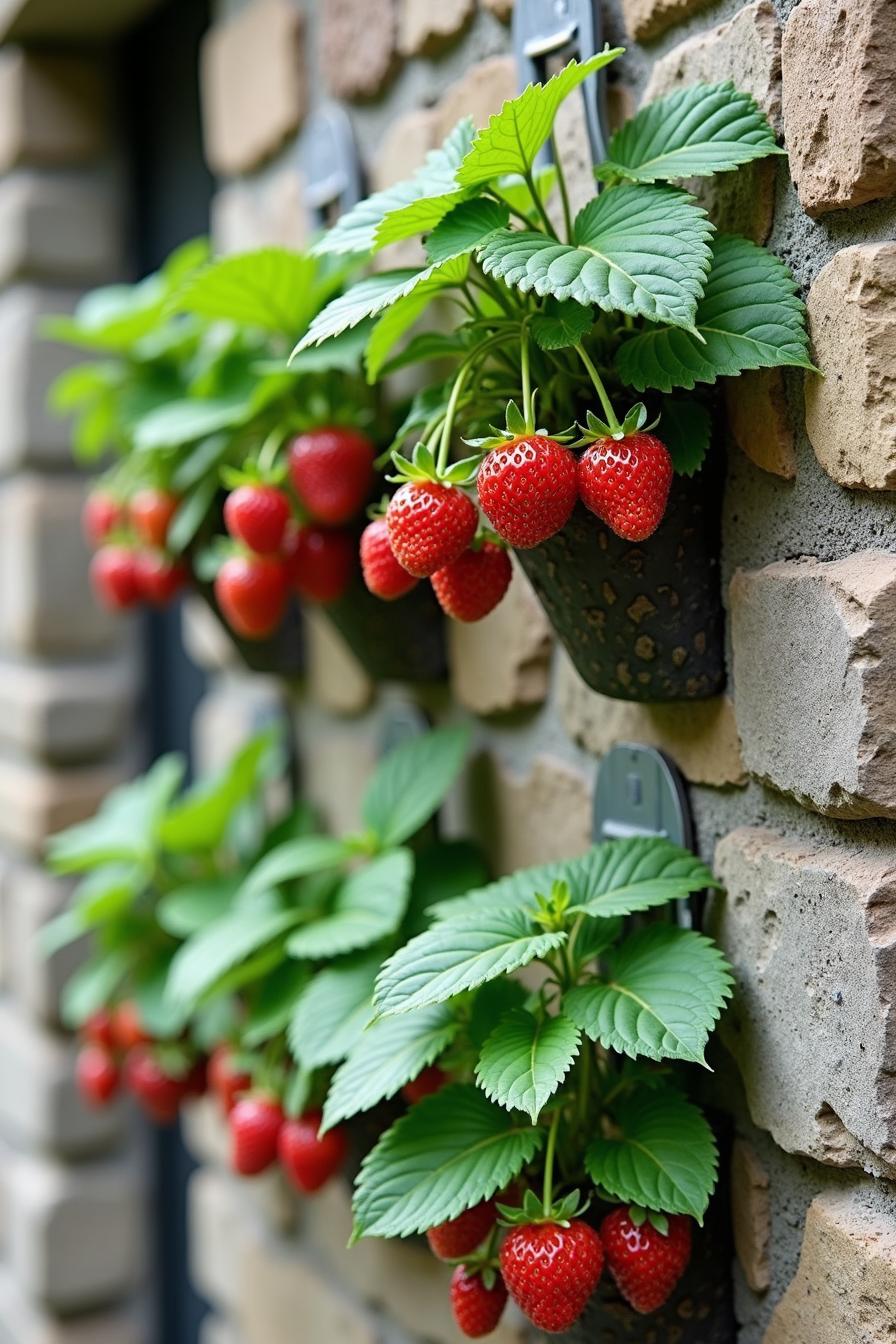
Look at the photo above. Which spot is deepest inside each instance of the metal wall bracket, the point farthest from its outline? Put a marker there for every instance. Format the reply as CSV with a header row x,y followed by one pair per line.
x,y
330,165
402,720
566,29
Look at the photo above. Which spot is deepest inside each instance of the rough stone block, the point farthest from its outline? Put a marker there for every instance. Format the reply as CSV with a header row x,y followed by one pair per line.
x,y
276,1289
839,64
52,109
218,1232
271,212
701,737
502,9
845,1286
811,932
482,91
851,411
334,678
65,712
352,69
57,226
253,83
646,19
759,420
205,639
424,28
234,710
823,730
215,1330
26,21
31,897
22,1322
751,1215
406,142
502,663
532,818
208,1139
36,801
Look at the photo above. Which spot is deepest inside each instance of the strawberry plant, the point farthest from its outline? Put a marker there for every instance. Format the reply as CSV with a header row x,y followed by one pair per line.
x,y
595,339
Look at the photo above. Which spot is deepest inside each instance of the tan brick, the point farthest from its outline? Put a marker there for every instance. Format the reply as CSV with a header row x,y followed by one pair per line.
x,y
271,212
424,29
36,800
811,934
406,142
648,18
482,91
61,226
253,82
205,639
22,1322
751,1215
759,420
52,109
839,63
701,737
820,729
29,431
533,818
232,711
276,1288
502,663
354,69
334,678
31,897
65,712
218,1232
845,1285
22,21
851,411
502,9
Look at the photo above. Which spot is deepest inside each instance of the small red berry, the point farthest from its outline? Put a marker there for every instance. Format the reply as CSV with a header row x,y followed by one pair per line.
x,y
101,514
309,1158
158,1092
461,1235
257,515
473,584
477,1309
196,1078
127,1027
527,489
226,1080
551,1271
97,1075
251,592
321,564
432,1079
383,575
99,1029
626,482
255,1124
429,525
159,579
645,1264
113,575
331,470
151,512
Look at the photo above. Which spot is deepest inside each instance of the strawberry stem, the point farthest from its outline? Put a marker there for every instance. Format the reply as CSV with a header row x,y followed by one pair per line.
x,y
528,409
607,405
548,1188
561,183
539,204
445,442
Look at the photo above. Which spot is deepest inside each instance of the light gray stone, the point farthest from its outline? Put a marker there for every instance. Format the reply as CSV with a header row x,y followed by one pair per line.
x,y
37,800
31,897
65,712
30,434
23,1322
52,108
58,226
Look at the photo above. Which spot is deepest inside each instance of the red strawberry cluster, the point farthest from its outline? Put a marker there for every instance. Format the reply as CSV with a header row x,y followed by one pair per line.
x,y
131,563
260,1135
116,1048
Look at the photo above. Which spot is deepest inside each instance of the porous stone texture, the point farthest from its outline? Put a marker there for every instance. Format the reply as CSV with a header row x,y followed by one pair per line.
x,y
65,712
37,800
352,68
52,109
502,9
851,410
61,225
503,662
646,19
274,214
24,1322
759,420
482,91
845,1286
750,1215
839,63
30,897
334,678
404,146
810,930
253,84
823,730
424,28
30,434
533,818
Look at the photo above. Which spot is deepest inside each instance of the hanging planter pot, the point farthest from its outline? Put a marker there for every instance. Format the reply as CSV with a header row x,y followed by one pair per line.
x,y
281,654
393,641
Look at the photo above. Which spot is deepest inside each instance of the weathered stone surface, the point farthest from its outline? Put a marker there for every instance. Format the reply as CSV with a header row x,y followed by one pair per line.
x,y
65,712
810,930
218,1233
648,18
827,738
344,753
29,432
205,639
58,21
533,818
502,663
52,109
851,411
351,68
845,1286
334,678
60,226
207,1137
253,83
759,420
276,1288
482,91
36,800
424,28
215,1330
751,1215
502,9
22,1322
233,710
30,898
700,737
271,212
404,146
839,63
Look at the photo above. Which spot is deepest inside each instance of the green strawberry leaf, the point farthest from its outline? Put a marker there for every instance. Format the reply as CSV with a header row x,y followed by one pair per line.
x,y
334,1010
685,428
450,1152
410,783
274,1006
466,227
205,958
186,910
294,859
199,820
748,318
561,324
661,998
271,288
525,1060
636,249
395,321
124,827
370,904
693,132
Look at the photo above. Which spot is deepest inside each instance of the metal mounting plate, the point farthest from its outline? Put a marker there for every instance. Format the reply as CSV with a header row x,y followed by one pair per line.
x,y
402,720
330,165
565,29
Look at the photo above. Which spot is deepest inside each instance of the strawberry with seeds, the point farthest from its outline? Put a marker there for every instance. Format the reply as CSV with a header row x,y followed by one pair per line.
x,y
551,1269
97,1075
331,470
527,481
251,592
647,1253
478,1299
383,575
151,511
461,1235
159,1092
226,1079
255,1124
625,473
113,576
308,1157
159,578
257,515
102,513
321,563
473,584
429,526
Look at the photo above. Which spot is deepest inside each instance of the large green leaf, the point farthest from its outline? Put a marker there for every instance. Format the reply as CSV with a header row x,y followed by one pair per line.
x,y
449,1152
124,827
206,957
442,869
333,1011
561,324
387,1055
189,908
511,140
686,429
200,819
636,249
270,288
664,1156
466,227
525,1060
411,781
693,132
369,905
661,998
453,957
94,984
296,858
749,318
516,891
275,1003
394,322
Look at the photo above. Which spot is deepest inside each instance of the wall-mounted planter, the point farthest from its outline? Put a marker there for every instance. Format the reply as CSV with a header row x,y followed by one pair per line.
x,y
641,621
393,641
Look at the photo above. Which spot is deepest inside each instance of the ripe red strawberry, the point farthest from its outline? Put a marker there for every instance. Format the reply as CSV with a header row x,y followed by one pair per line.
x,y
626,483
383,575
97,1075
257,515
473,584
157,1091
461,1235
159,578
113,575
151,512
645,1264
429,525
308,1158
551,1271
432,1079
255,1124
477,1309
321,563
99,1029
331,470
196,1079
127,1027
527,489
100,515
225,1079
251,592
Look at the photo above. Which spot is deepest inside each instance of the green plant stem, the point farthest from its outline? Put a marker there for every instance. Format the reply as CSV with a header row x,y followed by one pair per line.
x,y
584,1085
539,204
548,1188
524,219
607,405
445,443
564,193
526,376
